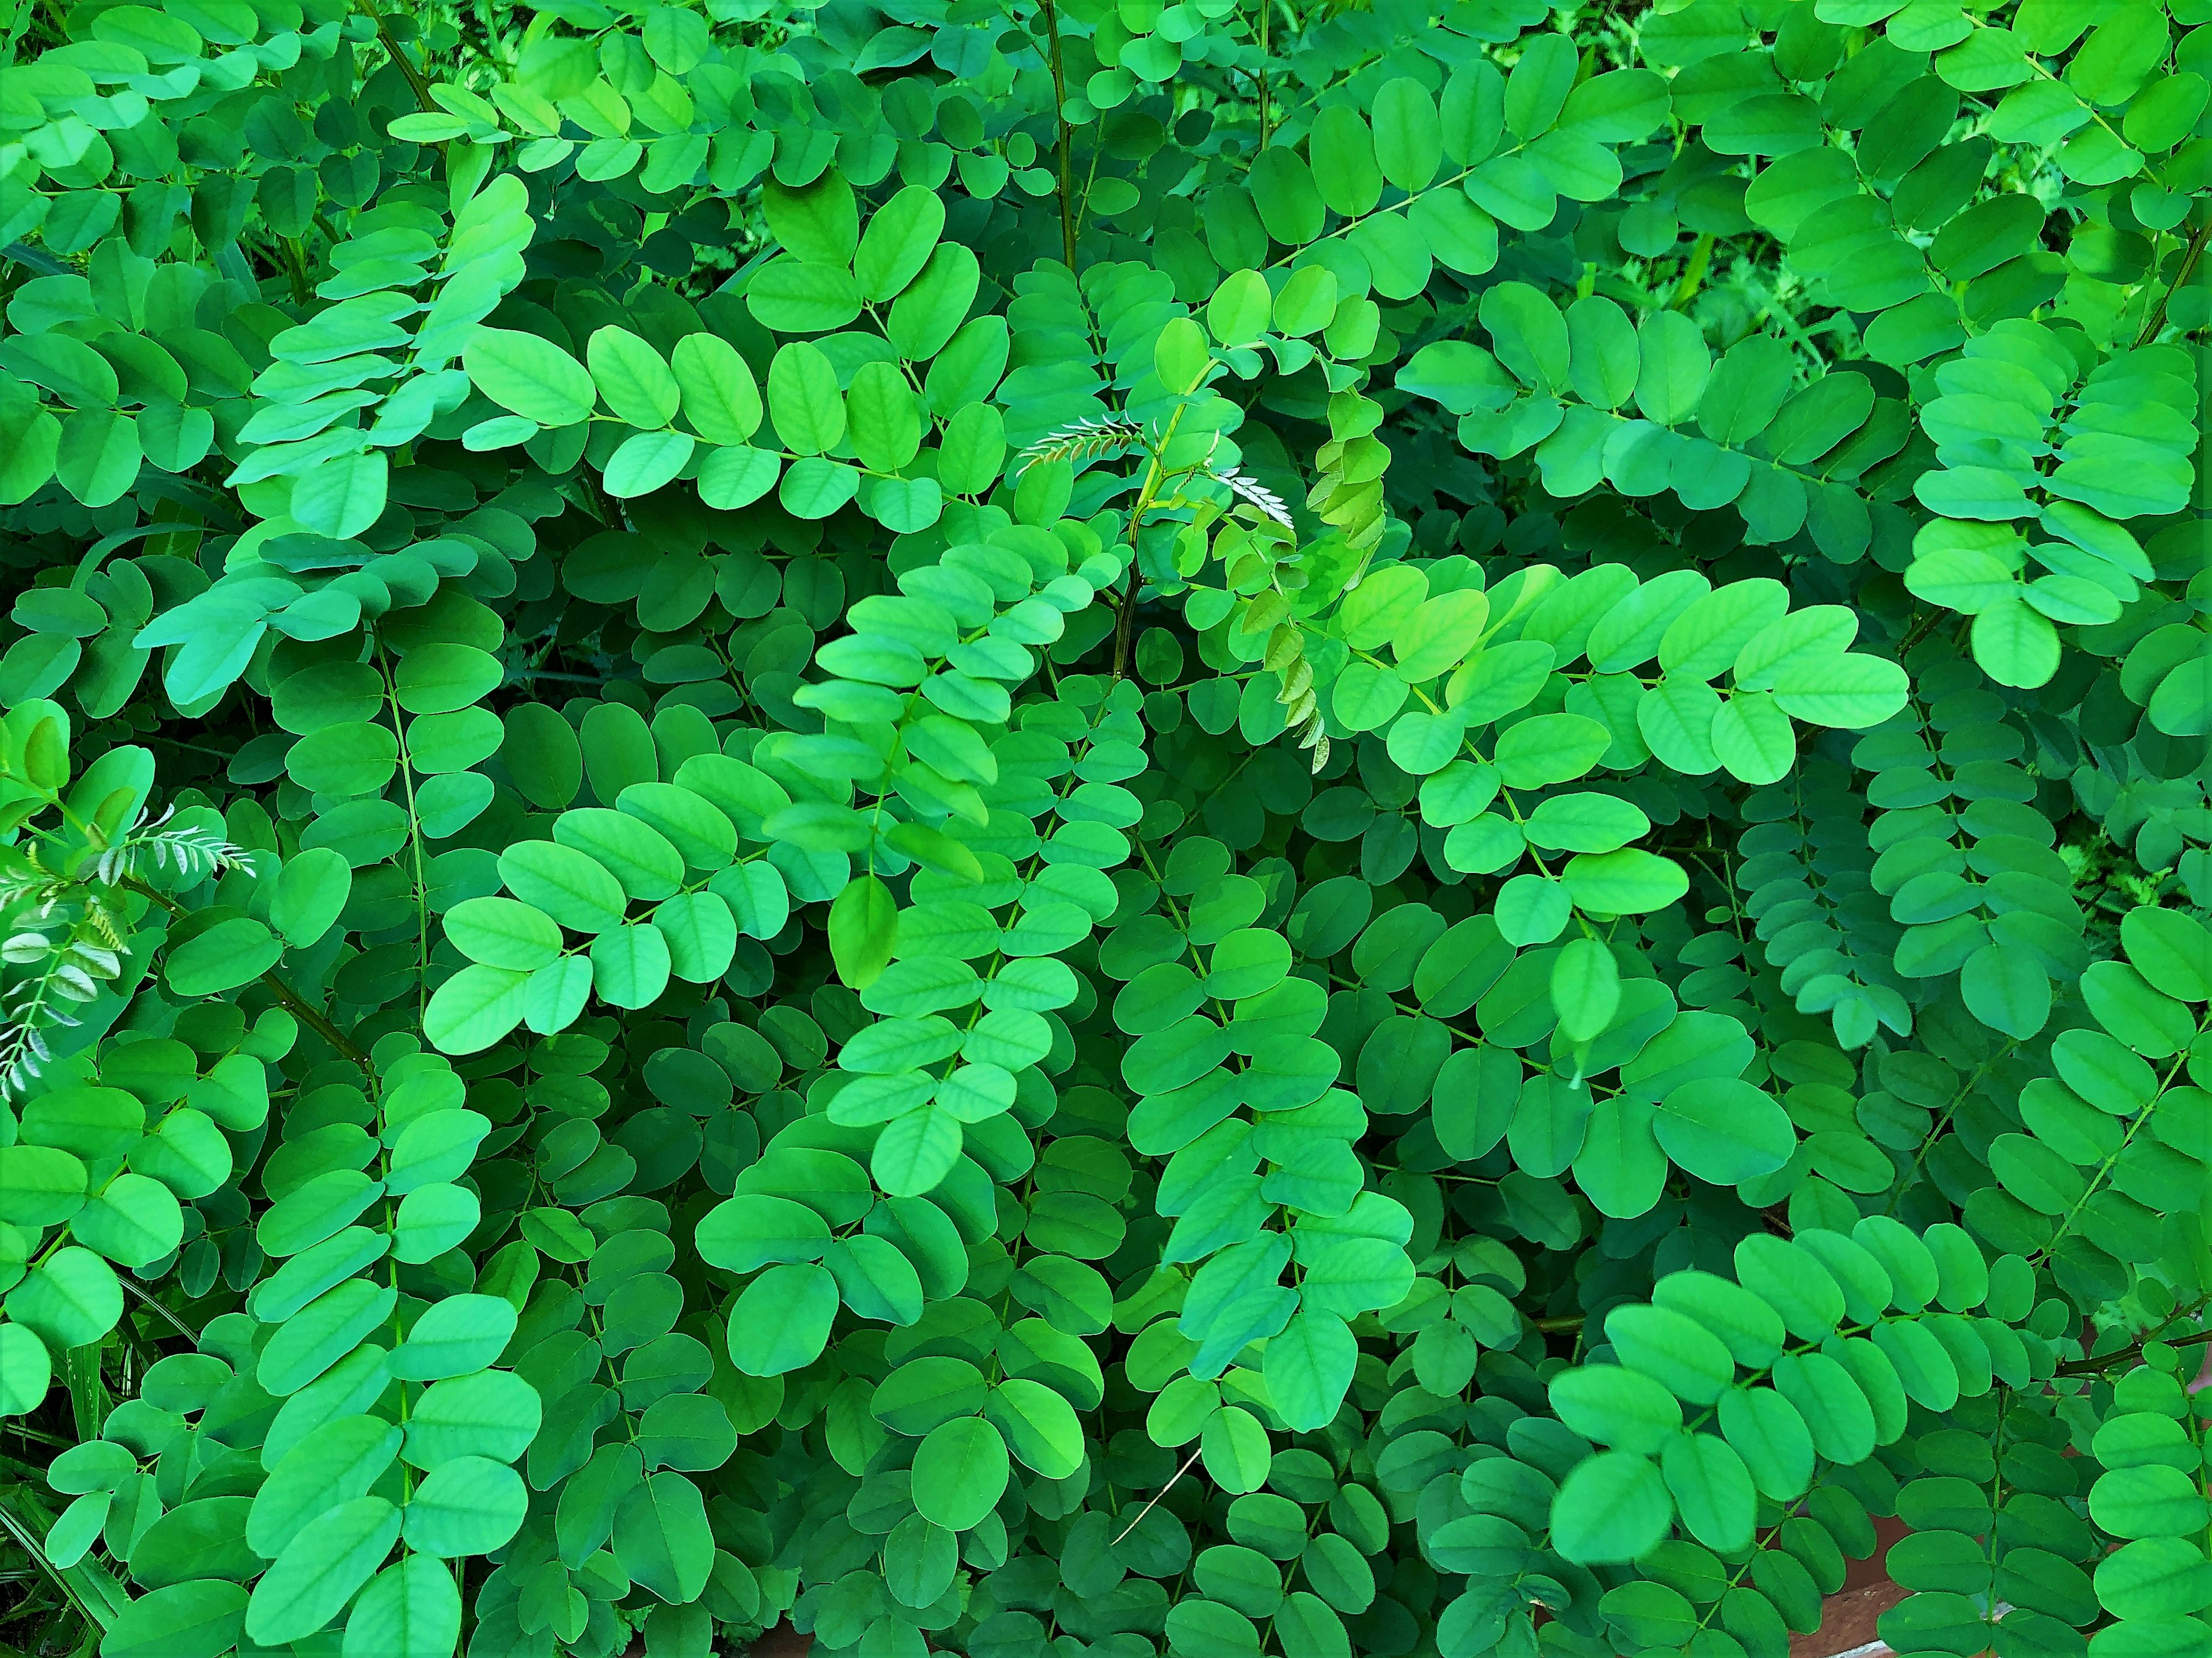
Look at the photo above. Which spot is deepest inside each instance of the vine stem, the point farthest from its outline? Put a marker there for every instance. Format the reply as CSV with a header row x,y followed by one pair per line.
x,y
2180,280
293,1002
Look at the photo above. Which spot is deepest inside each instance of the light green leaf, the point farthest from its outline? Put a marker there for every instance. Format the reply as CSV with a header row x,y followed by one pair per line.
x,y
530,375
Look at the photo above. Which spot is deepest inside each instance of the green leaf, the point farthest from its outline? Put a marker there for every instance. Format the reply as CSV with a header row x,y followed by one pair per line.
x,y
1585,988
40,1185
818,220
530,375
1628,882
1771,1438
311,891
792,297
1238,313
1616,1406
782,1320
567,885
2171,950
492,1413
501,933
630,965
898,241
199,1619
916,1151
1834,1408
26,1370
1039,1426
960,1468
1673,367
411,1610
318,1572
804,400
70,1300
1613,1507
1553,748
1529,334
1309,1367
632,378
662,1539
1845,692
99,454
646,461
1671,1348
344,1459
721,398
2007,989
1408,136
2016,645
864,927
1724,1130
875,1280
1711,1489
1537,88
455,1336
474,1008
133,1221
470,1505
221,957
1233,1446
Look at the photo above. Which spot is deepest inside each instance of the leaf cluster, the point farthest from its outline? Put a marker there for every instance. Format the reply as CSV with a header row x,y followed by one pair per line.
x,y
1036,826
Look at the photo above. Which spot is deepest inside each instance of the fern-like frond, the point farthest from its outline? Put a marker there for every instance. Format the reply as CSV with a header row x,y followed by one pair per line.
x,y
191,853
1254,493
1082,440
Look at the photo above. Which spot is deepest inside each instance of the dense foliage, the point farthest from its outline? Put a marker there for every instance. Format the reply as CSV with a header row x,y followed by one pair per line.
x,y
1030,825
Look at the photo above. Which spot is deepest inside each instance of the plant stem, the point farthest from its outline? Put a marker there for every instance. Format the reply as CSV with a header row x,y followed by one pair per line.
x,y
2180,280
1059,120
1163,1490
414,839
422,88
291,1000
1260,74
1123,619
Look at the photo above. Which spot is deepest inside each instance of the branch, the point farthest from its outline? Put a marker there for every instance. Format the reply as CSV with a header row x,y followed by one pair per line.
x,y
1059,120
1919,630
406,64
291,1000
2180,280
314,1020
2098,1362
1126,616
